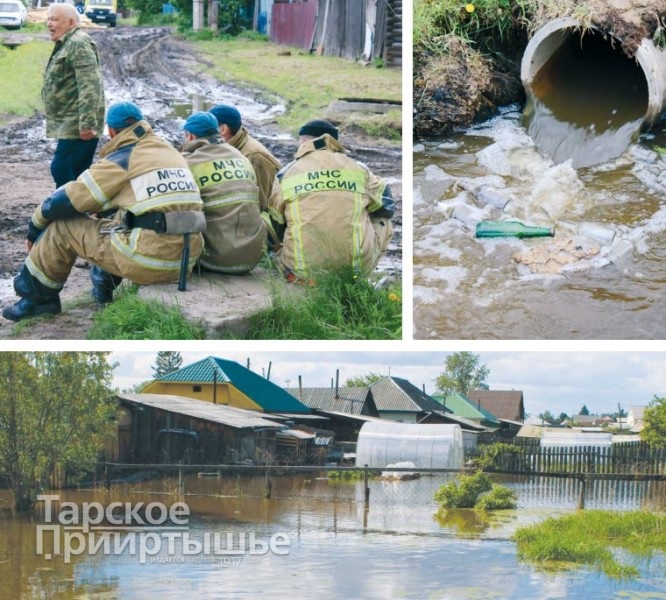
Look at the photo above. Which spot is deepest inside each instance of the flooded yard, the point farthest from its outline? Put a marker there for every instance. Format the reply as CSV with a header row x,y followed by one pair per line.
x,y
396,548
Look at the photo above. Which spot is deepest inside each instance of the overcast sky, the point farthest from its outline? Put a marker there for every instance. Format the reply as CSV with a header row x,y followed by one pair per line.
x,y
555,381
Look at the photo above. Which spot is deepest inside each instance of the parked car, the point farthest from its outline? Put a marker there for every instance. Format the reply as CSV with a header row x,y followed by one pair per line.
x,y
102,11
13,14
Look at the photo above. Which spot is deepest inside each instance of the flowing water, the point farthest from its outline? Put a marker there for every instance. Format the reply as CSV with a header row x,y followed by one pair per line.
x,y
602,275
395,549
574,161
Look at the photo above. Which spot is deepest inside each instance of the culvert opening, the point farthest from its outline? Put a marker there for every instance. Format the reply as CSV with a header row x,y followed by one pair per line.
x,y
587,100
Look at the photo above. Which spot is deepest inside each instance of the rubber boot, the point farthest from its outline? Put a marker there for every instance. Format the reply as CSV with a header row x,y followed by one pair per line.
x,y
25,308
103,284
36,298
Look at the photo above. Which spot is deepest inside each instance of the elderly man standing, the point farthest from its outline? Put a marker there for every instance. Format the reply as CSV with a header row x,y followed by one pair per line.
x,y
327,209
73,94
146,184
264,163
235,237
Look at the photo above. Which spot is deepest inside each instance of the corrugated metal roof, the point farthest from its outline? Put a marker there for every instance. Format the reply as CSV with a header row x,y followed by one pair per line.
x,y
461,406
199,409
348,400
270,397
396,394
295,433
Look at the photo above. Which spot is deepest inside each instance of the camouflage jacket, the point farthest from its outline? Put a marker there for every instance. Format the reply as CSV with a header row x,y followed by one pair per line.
x,y
73,91
265,165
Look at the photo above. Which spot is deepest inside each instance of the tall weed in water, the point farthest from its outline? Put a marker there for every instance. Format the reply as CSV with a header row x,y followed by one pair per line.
x,y
592,537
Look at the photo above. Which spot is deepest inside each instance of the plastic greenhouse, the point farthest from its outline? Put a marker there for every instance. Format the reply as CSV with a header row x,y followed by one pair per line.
x,y
570,439
427,446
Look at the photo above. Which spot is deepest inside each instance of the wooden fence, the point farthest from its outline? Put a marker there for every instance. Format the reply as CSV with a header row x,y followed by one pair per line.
x,y
623,458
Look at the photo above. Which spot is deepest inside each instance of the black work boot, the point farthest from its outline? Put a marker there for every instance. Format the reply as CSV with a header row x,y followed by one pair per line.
x,y
104,283
25,308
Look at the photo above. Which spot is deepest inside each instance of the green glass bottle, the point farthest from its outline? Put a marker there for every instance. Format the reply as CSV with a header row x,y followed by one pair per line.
x,y
488,229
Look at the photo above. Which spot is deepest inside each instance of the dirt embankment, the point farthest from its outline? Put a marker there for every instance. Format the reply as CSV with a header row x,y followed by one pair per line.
x,y
462,85
164,77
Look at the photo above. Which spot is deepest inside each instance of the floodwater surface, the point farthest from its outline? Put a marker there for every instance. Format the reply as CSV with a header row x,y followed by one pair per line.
x,y
397,548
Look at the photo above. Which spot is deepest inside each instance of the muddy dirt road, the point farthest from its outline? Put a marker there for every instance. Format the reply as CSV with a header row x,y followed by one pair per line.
x,y
164,76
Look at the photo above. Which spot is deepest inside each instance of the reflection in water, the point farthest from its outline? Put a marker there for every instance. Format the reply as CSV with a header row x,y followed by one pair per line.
x,y
588,102
337,550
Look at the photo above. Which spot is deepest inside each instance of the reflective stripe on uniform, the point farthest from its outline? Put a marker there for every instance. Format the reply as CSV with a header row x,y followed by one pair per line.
x,y
230,201
324,180
38,274
357,232
297,236
129,251
96,192
168,200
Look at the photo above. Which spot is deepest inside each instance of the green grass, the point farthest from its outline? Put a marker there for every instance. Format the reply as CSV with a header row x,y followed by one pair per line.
x,y
474,491
349,476
21,72
341,306
487,23
130,318
308,83
589,538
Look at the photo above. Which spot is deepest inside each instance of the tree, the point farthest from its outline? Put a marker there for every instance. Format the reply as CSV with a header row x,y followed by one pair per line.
x,y
654,423
463,373
584,411
56,411
166,362
363,380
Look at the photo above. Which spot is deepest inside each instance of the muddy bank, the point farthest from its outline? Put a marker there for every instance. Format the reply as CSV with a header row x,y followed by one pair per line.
x,y
164,76
462,84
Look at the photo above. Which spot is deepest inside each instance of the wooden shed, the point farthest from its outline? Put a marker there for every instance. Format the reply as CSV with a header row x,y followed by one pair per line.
x,y
352,29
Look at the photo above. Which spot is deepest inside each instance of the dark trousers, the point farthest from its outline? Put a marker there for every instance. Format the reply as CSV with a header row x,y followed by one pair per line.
x,y
72,157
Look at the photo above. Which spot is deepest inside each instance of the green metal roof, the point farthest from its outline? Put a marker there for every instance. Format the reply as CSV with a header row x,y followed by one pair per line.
x,y
462,406
271,397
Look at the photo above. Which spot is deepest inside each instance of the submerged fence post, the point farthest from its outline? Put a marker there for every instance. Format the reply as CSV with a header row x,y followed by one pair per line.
x,y
366,497
581,494
268,485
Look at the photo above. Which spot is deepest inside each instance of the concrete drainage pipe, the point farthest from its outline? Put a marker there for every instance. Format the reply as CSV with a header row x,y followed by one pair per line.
x,y
650,59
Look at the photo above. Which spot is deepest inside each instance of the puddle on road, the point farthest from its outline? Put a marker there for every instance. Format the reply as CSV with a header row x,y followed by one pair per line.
x,y
251,110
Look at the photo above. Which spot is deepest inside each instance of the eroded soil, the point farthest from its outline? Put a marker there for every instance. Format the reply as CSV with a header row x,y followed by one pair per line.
x,y
162,75
461,86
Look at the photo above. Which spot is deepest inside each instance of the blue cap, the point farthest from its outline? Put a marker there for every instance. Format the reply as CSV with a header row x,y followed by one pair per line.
x,y
201,124
227,115
119,112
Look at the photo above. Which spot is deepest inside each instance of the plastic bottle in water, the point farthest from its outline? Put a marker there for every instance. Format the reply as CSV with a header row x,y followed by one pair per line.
x,y
487,229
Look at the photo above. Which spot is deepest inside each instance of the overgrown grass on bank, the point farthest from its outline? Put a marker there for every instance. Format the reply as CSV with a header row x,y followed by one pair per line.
x,y
591,538
131,318
486,24
307,82
339,307
21,72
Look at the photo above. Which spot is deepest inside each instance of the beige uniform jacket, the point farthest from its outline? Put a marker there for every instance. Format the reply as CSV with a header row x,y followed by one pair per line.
x,y
264,163
235,236
325,200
